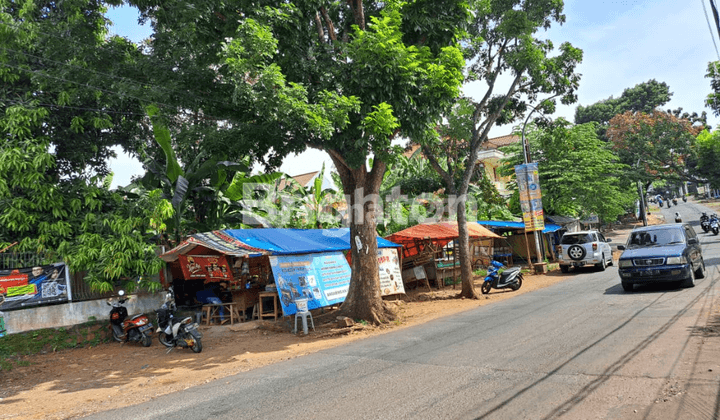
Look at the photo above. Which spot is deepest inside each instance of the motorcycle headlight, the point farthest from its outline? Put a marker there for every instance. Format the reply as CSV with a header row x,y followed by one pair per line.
x,y
676,260
625,263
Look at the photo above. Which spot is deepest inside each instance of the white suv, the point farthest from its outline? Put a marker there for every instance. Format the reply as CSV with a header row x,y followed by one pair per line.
x,y
587,247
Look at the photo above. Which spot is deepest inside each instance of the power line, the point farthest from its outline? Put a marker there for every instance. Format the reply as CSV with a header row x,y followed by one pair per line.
x,y
107,111
42,74
131,81
707,18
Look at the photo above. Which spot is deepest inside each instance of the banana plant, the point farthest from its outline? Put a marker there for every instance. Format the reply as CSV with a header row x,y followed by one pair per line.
x,y
202,180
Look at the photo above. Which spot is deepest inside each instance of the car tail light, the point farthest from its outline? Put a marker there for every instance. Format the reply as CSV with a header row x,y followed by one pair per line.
x,y
594,246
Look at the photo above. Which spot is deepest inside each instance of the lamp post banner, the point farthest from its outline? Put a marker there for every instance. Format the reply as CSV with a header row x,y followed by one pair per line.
x,y
528,181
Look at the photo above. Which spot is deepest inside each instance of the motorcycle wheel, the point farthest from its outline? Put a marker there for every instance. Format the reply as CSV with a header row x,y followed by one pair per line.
x,y
486,286
164,340
146,340
519,283
197,346
716,231
116,337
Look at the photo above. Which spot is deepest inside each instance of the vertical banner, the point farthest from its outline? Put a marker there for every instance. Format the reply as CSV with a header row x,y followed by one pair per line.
x,y
528,181
390,275
209,267
323,279
25,287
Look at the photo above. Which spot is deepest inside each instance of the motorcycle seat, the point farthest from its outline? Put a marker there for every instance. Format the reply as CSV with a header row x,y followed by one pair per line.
x,y
510,271
136,317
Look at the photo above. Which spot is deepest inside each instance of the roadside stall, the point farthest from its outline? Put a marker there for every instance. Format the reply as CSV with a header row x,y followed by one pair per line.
x,y
514,244
430,251
275,268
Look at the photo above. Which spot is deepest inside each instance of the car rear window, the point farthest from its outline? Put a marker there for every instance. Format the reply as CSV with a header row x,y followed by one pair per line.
x,y
576,239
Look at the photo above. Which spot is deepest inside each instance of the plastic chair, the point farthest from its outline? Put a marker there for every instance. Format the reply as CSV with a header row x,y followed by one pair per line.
x,y
304,316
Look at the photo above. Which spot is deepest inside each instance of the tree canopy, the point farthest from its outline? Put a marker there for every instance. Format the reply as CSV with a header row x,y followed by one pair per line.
x,y
501,42
579,173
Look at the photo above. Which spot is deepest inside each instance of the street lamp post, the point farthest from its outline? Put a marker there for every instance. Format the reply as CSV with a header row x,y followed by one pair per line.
x,y
527,159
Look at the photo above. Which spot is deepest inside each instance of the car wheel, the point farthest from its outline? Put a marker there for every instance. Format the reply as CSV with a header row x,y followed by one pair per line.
x,y
690,281
602,265
564,268
700,273
576,252
627,286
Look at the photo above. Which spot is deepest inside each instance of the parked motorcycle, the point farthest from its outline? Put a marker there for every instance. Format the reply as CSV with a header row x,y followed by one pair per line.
x,y
669,203
684,199
674,201
174,332
138,328
714,224
705,222
678,219
511,278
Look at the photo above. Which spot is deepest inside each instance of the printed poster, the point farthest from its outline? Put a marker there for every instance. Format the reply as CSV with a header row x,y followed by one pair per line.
x,y
528,181
208,267
323,279
33,286
390,276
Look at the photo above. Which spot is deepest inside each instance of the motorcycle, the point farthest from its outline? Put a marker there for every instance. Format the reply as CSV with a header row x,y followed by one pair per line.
x,y
138,328
660,202
174,332
714,224
674,200
678,219
669,203
511,278
705,222
684,199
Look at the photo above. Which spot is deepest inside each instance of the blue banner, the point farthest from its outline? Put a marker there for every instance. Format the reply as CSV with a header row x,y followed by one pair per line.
x,y
323,279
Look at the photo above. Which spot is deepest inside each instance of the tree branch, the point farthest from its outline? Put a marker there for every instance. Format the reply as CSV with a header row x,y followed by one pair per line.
x,y
328,22
318,24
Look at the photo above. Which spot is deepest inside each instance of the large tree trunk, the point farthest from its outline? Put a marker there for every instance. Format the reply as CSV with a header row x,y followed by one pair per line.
x,y
362,189
468,287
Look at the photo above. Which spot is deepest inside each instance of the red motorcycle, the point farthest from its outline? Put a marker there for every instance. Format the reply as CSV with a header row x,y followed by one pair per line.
x,y
137,328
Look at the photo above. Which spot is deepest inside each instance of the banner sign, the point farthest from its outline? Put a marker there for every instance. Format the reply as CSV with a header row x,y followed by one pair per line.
x,y
208,267
323,279
390,276
25,287
528,181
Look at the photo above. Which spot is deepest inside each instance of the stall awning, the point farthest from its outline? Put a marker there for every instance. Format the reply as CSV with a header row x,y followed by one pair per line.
x,y
549,227
441,231
216,240
299,241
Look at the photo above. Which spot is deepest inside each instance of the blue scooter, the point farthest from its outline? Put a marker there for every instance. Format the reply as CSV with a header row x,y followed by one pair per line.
x,y
511,278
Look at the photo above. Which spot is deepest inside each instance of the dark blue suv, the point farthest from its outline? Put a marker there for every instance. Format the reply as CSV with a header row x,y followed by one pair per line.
x,y
661,253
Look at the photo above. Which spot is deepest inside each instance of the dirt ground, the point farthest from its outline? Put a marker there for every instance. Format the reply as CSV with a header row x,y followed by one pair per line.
x,y
73,383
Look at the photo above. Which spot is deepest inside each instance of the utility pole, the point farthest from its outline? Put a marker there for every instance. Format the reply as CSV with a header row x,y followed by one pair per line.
x,y
527,159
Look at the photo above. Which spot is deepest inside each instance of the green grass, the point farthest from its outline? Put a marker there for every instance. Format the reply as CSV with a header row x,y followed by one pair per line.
x,y
14,346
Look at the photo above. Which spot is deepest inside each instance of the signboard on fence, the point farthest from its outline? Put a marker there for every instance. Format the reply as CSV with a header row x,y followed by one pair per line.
x,y
528,181
33,286
323,279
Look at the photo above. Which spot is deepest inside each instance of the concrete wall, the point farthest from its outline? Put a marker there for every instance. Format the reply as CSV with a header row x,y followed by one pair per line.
x,y
73,313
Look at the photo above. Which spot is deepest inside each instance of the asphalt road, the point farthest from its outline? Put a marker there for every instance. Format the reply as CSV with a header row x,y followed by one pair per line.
x,y
580,349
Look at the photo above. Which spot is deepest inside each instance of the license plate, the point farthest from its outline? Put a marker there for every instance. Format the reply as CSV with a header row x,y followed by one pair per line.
x,y
648,273
146,327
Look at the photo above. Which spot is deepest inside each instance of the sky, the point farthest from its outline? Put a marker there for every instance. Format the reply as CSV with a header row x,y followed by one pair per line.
x,y
624,43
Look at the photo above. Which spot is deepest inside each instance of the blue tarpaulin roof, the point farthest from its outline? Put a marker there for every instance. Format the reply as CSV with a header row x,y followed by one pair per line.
x,y
299,241
549,227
